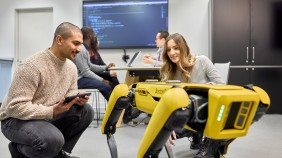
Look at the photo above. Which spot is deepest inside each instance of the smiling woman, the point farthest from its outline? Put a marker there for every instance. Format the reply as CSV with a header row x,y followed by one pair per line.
x,y
180,64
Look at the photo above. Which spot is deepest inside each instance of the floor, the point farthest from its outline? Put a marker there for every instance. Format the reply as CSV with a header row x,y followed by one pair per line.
x,y
263,141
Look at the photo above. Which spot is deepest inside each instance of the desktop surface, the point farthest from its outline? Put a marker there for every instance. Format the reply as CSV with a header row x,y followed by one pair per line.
x,y
134,68
140,71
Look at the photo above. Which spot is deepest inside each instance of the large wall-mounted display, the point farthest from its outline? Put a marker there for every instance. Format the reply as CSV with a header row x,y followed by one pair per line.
x,y
126,24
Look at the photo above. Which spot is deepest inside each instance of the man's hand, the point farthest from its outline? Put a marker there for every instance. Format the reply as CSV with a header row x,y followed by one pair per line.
x,y
107,82
62,107
82,101
148,59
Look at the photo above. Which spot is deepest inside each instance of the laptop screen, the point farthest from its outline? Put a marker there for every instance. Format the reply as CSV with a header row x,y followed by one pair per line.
x,y
137,61
133,58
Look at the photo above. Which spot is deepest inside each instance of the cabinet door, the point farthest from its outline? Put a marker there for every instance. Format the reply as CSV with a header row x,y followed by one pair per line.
x,y
230,31
266,33
239,76
270,81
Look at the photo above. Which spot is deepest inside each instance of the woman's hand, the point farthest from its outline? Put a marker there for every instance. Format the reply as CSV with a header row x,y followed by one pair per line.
x,y
111,65
171,138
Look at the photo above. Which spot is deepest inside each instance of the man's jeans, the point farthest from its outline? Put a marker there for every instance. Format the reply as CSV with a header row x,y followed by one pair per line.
x,y
93,83
41,138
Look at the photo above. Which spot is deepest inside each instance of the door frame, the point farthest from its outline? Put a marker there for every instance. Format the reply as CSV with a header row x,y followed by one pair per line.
x,y
17,12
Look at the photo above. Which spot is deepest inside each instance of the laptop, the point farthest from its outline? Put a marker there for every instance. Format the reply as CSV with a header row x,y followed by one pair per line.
x,y
137,61
133,58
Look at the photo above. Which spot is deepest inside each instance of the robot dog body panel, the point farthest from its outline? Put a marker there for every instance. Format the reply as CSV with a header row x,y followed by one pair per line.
x,y
222,112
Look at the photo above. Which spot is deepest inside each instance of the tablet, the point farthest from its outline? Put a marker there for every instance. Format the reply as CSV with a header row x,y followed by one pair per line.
x,y
70,98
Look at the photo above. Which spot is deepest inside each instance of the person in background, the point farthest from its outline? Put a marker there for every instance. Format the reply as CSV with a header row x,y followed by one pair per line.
x,y
180,64
161,36
160,41
96,59
33,115
87,77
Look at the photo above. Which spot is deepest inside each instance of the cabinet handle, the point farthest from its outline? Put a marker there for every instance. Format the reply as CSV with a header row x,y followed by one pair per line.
x,y
253,60
247,60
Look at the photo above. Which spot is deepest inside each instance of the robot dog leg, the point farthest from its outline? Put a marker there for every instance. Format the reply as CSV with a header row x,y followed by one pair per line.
x,y
118,101
171,112
168,113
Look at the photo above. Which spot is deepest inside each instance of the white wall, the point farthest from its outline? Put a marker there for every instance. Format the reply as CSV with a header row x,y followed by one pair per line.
x,y
63,11
191,19
187,17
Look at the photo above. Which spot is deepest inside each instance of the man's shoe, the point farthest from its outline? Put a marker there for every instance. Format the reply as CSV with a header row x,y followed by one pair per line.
x,y
14,151
63,154
196,141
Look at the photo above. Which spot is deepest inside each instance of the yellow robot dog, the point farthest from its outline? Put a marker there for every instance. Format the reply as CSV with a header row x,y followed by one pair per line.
x,y
220,112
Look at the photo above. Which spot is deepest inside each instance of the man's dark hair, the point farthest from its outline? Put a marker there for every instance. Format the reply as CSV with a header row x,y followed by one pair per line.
x,y
163,34
65,30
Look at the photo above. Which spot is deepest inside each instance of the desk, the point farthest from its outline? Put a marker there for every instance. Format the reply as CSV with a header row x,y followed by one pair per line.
x,y
135,68
137,74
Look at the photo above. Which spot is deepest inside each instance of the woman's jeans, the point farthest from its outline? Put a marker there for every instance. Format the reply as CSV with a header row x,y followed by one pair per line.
x,y
93,83
45,139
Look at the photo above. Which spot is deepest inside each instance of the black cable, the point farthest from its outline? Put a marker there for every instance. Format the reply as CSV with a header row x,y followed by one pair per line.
x,y
125,57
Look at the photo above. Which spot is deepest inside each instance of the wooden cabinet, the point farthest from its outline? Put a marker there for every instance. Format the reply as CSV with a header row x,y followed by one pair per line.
x,y
230,31
247,33
271,81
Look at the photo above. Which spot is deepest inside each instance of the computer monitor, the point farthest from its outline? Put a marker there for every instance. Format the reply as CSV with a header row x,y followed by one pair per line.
x,y
124,23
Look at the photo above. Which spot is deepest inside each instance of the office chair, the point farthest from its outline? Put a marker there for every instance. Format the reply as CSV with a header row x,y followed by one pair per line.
x,y
223,69
96,100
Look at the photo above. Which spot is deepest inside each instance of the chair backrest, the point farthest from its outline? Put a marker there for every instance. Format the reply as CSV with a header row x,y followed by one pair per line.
x,y
223,69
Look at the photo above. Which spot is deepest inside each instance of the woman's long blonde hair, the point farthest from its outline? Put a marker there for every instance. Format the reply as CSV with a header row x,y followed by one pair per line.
x,y
186,63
